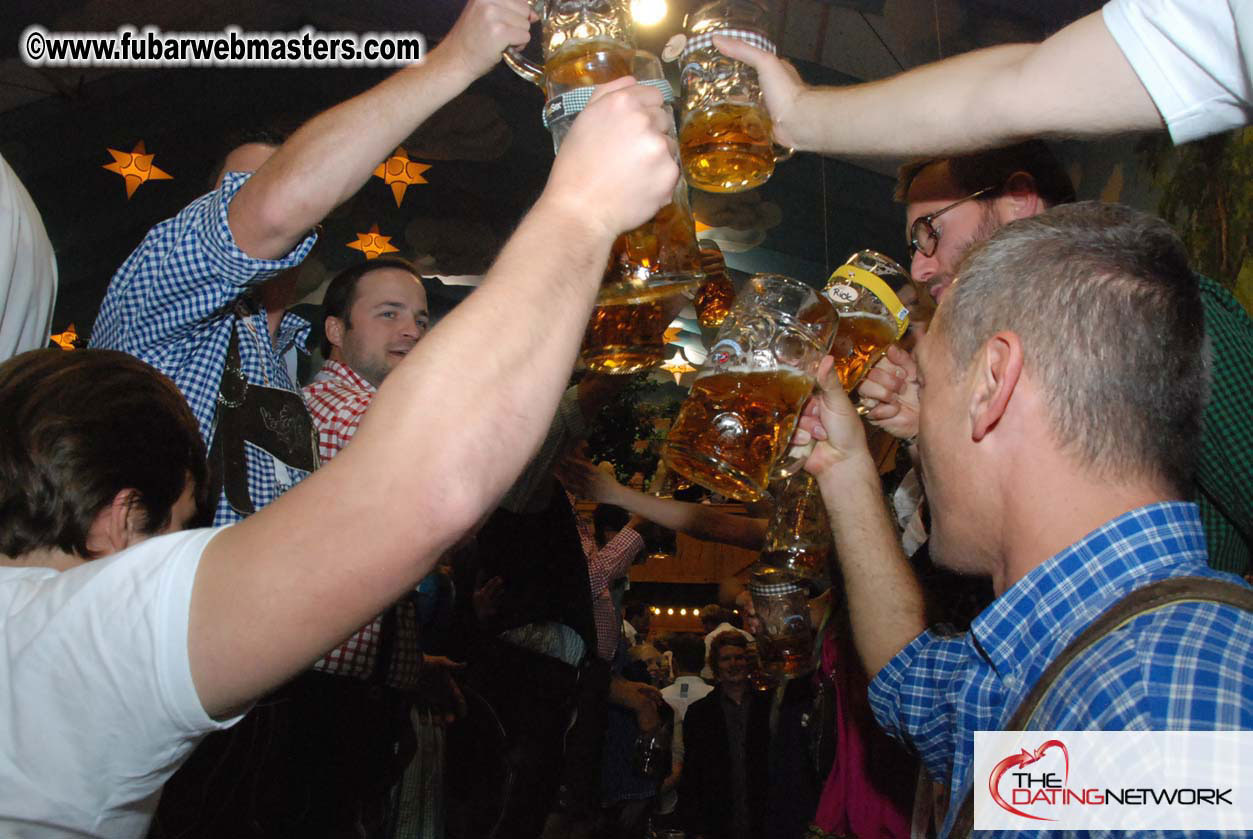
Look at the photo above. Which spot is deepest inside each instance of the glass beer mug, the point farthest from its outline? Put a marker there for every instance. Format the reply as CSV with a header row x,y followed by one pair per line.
x,y
866,291
725,136
786,640
584,42
746,400
798,546
716,294
649,268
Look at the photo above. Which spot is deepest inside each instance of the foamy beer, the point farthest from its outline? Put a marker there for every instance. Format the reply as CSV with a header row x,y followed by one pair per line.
x,y
744,405
584,42
725,136
865,291
798,546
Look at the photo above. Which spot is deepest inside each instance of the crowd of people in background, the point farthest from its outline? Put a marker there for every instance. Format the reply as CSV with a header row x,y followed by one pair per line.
x,y
368,608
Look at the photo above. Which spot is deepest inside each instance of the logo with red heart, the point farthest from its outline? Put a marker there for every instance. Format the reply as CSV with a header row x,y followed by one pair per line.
x,y
1024,758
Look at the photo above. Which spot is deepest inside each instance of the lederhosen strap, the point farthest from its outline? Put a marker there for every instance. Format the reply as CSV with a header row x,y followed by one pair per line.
x,y
272,419
1142,601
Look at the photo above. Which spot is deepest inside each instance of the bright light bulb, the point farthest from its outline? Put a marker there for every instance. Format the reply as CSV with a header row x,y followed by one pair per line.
x,y
648,12
656,611
683,611
670,611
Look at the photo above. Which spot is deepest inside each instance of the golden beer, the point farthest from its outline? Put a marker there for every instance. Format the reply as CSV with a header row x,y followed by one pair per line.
x,y
798,544
733,426
727,148
861,338
788,655
655,260
585,63
716,294
625,338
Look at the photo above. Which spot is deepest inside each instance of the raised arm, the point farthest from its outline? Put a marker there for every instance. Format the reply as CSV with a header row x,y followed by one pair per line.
x,y
449,430
884,598
697,520
1076,83
332,155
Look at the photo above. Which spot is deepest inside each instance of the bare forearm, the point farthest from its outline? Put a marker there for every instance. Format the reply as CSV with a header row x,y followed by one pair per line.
x,y
475,417
884,598
1076,83
330,157
693,519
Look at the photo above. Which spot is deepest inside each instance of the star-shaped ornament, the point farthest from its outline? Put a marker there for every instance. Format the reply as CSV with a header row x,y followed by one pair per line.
x,y
67,340
399,172
373,244
673,333
677,366
135,167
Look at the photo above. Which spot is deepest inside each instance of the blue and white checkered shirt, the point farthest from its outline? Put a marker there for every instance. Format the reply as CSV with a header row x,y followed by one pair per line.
x,y
173,304
1188,666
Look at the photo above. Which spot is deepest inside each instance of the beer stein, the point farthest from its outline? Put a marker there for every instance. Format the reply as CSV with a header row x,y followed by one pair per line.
x,y
798,538
865,291
584,43
747,397
649,267
725,136
786,640
716,294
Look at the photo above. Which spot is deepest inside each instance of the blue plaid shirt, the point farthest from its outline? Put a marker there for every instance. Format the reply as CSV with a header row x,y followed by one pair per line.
x,y
174,302
1189,666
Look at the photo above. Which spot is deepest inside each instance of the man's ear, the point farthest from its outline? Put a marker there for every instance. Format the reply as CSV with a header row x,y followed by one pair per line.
x,y
118,525
334,328
1019,199
998,367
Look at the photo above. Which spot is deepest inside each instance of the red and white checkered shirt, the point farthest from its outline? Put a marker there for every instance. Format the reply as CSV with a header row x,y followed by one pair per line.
x,y
604,565
337,398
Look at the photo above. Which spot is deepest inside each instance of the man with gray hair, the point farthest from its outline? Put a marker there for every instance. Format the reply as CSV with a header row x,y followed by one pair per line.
x,y
1062,387
954,202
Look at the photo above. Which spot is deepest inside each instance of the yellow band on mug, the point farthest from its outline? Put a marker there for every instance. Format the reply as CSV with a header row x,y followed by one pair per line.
x,y
876,286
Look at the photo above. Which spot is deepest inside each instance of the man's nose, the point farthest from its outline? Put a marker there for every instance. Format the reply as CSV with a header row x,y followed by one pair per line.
x,y
922,268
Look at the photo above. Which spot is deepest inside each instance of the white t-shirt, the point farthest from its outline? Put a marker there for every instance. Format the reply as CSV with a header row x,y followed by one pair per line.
x,y
28,270
97,707
1189,56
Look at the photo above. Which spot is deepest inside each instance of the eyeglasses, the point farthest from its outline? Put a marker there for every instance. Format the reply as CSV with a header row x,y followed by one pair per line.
x,y
923,237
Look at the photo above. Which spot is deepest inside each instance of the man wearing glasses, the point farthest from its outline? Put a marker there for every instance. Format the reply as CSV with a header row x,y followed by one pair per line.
x,y
953,203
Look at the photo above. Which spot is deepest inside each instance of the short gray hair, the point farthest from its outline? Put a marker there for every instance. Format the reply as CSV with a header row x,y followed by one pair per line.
x,y
1111,324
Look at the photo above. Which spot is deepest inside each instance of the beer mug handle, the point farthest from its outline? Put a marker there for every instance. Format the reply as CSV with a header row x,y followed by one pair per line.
x,y
793,461
523,66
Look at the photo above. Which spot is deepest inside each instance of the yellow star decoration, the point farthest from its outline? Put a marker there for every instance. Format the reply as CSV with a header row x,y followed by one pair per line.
x,y
373,244
399,172
66,340
673,333
135,167
677,366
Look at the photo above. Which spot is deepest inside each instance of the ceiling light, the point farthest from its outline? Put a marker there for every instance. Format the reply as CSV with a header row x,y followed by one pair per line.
x,y
648,12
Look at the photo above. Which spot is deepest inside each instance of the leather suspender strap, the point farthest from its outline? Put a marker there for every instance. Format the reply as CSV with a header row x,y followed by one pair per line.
x,y
1142,601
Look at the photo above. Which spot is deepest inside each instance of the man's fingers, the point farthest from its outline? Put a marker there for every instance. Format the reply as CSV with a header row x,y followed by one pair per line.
x,y
740,50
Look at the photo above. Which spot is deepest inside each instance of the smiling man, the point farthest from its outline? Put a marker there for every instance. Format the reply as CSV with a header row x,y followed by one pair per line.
x,y
376,312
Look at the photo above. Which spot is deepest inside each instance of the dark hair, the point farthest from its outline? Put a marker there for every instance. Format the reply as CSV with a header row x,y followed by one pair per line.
x,y
266,135
1111,324
688,651
992,168
607,517
634,610
729,638
341,292
78,428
